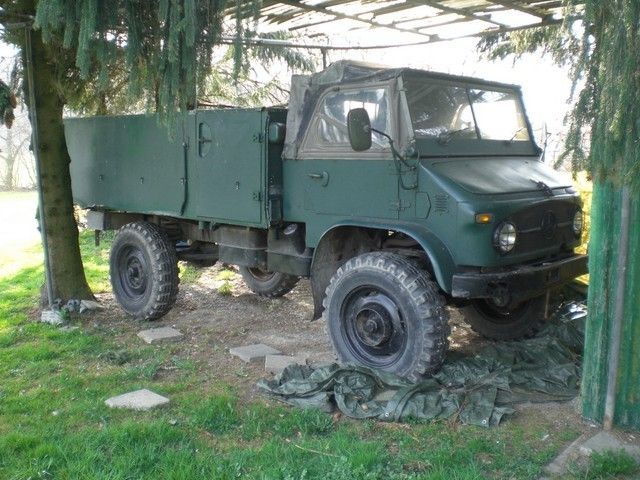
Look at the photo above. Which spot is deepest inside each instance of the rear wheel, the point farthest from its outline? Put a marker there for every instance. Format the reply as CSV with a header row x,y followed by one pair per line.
x,y
268,284
383,311
144,270
509,322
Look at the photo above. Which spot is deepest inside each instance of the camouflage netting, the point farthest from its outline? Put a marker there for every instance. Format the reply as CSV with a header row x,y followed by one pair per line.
x,y
479,390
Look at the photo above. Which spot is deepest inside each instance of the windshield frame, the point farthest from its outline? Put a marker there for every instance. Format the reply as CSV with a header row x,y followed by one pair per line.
x,y
465,147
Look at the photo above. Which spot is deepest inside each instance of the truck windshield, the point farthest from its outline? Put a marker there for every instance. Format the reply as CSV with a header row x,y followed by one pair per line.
x,y
445,111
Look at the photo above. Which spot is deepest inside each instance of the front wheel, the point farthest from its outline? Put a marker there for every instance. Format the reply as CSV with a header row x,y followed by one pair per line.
x,y
144,270
268,284
509,322
383,311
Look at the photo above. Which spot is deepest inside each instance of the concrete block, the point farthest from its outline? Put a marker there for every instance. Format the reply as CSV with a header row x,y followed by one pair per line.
x,y
158,335
253,353
605,441
139,400
277,363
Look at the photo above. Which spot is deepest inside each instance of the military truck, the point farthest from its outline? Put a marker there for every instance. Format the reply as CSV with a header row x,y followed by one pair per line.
x,y
396,191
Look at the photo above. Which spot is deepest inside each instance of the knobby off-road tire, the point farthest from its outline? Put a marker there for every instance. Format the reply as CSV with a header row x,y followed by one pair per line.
x,y
144,270
383,311
506,323
268,284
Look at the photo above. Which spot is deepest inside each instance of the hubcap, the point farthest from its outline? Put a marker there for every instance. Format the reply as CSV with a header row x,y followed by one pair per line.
x,y
132,272
372,327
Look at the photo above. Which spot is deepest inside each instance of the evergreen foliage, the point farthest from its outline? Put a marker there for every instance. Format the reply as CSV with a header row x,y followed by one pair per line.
x,y
601,49
610,101
156,51
7,104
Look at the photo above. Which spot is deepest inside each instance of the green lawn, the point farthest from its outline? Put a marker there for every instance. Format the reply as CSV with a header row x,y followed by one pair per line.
x,y
54,424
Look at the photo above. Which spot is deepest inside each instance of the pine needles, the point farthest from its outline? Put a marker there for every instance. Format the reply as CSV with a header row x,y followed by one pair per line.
x,y
162,49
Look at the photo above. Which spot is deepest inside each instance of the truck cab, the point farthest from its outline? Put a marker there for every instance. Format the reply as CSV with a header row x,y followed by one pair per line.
x,y
396,191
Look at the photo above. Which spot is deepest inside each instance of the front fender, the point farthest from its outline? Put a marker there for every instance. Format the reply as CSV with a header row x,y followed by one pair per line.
x,y
438,254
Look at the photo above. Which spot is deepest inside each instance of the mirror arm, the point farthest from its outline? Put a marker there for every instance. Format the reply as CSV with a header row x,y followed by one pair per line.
x,y
397,158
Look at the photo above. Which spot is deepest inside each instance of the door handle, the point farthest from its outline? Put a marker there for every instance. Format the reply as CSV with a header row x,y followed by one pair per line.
x,y
204,139
322,177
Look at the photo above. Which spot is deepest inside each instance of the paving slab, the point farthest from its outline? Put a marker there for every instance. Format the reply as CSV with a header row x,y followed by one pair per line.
x,y
253,353
277,363
159,335
606,441
581,449
139,400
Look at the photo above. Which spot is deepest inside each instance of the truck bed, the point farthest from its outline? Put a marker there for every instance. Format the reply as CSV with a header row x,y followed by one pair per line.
x,y
211,166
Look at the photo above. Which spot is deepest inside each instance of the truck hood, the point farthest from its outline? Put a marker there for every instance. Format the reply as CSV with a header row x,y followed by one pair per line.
x,y
487,176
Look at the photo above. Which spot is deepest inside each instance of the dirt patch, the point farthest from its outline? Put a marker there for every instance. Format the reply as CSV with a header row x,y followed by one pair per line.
x,y
213,322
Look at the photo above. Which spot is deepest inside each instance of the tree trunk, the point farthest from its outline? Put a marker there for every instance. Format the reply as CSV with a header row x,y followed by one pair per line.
x,y
67,273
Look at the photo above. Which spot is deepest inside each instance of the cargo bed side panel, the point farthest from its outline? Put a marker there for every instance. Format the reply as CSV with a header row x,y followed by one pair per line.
x,y
126,163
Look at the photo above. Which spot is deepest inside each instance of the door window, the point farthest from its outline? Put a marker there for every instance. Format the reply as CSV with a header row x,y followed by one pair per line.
x,y
330,126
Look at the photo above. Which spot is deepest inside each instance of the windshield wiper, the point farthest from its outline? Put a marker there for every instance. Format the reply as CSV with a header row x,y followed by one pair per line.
x,y
445,137
512,139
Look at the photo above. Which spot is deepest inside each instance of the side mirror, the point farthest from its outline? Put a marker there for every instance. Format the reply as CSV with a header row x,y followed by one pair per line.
x,y
359,128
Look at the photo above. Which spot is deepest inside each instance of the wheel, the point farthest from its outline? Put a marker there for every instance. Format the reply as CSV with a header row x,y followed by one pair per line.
x,y
144,270
506,323
268,284
383,311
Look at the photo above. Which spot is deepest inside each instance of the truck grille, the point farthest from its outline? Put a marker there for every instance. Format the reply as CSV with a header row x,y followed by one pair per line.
x,y
545,225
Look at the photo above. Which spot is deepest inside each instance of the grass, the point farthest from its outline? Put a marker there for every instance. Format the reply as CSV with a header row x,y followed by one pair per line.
x,y
611,465
54,424
226,287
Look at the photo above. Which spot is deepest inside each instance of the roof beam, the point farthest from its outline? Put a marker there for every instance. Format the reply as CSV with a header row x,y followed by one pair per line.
x,y
343,16
459,11
530,9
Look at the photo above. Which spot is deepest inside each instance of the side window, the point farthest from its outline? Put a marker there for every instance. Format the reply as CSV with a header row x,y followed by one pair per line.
x,y
331,124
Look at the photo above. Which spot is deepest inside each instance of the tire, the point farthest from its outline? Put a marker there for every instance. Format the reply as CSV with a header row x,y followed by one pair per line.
x,y
144,270
506,323
383,311
268,284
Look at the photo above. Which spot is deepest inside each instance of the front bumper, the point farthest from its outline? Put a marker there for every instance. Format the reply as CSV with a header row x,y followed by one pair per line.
x,y
519,283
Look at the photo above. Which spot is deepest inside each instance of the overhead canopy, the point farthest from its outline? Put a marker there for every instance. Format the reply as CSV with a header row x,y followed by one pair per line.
x,y
423,21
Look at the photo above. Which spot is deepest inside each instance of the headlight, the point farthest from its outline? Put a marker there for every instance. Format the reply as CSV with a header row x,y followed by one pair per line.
x,y
578,223
504,237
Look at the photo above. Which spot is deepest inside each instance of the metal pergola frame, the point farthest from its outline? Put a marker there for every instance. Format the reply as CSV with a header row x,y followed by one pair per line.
x,y
423,19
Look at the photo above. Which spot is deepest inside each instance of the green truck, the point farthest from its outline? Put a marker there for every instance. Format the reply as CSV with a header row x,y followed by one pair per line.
x,y
397,192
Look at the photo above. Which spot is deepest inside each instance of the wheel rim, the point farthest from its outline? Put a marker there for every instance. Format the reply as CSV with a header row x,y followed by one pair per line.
x,y
501,315
261,275
372,327
132,272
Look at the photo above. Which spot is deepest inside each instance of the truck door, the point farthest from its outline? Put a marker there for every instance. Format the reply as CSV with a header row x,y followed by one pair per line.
x,y
228,154
336,179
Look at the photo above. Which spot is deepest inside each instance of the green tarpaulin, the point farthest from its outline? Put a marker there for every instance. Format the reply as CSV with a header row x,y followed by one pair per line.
x,y
479,390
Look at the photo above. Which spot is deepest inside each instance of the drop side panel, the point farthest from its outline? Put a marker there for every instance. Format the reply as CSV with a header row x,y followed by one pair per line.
x,y
125,163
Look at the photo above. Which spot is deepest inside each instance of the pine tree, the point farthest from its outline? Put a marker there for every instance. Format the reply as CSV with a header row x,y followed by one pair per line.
x,y
98,52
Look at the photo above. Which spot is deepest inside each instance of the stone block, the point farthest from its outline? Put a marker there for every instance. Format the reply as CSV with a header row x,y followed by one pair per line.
x,y
139,400
158,335
253,353
277,363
